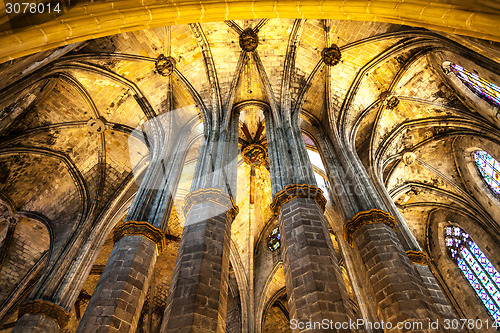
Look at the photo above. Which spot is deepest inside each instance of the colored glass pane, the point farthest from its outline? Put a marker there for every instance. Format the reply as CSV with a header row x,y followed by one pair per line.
x,y
485,262
488,91
489,168
273,241
477,269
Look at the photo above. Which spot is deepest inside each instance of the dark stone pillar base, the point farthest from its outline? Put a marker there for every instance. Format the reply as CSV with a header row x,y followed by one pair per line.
x,y
41,316
198,292
117,301
393,280
443,306
35,323
315,287
421,262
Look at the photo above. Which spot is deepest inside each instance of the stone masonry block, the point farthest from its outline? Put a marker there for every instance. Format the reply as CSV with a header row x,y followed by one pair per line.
x,y
118,298
393,280
198,292
315,288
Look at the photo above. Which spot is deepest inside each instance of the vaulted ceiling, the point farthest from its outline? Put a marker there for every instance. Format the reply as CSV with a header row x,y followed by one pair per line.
x,y
57,167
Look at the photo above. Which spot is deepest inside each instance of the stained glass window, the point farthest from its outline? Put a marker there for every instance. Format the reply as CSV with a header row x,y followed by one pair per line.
x,y
481,274
489,169
483,88
273,241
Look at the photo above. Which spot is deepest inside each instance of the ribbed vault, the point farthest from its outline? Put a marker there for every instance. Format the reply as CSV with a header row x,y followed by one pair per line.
x,y
80,178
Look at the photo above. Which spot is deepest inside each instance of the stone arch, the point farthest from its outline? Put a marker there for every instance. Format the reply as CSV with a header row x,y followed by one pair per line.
x,y
442,61
242,284
87,19
276,310
275,284
78,184
25,246
267,264
464,147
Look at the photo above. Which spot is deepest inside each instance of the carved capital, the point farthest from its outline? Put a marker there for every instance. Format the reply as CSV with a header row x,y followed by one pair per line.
x,y
293,191
211,195
145,229
418,257
47,309
361,219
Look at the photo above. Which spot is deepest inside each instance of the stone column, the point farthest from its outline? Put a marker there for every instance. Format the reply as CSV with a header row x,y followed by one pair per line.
x,y
118,298
117,301
314,284
198,292
418,257
399,291
345,201
421,262
394,281
315,288
41,316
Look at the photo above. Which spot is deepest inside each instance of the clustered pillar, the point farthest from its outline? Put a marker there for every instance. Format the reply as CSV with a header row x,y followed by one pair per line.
x,y
316,291
116,304
417,256
315,288
198,292
397,288
399,291
122,288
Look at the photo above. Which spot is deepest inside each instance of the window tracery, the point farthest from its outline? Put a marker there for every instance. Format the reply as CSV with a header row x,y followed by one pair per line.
x,y
274,240
488,91
477,269
489,168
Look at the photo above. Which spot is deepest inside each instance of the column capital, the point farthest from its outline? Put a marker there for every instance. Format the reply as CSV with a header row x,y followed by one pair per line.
x,y
361,219
211,195
141,228
418,257
47,309
293,191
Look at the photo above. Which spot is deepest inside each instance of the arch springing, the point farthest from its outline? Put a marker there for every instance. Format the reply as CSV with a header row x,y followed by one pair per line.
x,y
488,91
489,168
477,269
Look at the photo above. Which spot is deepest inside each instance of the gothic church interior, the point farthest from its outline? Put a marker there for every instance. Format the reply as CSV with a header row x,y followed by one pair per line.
x,y
234,173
